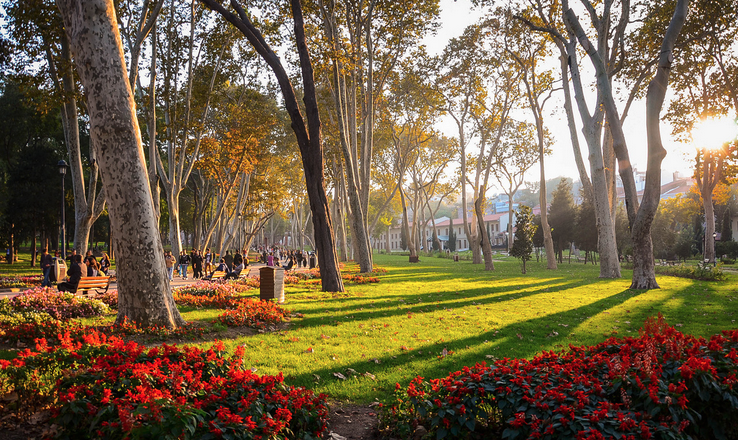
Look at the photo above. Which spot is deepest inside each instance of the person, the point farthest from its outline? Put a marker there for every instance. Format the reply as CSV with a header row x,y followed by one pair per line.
x,y
222,267
46,262
232,275
92,265
290,263
170,261
196,261
75,271
208,261
270,259
229,260
71,257
105,264
312,260
184,261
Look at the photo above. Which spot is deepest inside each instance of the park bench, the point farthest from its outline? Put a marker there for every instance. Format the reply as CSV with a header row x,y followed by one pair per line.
x,y
98,284
218,274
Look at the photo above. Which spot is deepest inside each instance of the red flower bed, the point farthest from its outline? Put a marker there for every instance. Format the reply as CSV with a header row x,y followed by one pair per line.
x,y
663,384
256,314
107,388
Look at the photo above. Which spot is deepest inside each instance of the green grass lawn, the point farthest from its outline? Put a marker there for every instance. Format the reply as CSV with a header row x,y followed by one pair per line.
x,y
397,329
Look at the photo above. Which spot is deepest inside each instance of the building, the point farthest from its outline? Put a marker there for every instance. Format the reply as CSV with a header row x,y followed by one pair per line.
x,y
496,225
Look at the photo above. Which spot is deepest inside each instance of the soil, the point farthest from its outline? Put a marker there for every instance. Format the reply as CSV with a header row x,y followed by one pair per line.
x,y
352,422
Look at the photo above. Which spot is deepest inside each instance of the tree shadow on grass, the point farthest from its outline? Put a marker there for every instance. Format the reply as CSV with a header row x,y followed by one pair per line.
x,y
425,360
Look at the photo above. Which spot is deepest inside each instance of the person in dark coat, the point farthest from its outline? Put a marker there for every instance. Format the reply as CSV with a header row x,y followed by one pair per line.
x,y
46,262
74,273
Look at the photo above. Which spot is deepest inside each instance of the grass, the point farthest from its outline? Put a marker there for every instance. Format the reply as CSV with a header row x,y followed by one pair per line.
x,y
399,328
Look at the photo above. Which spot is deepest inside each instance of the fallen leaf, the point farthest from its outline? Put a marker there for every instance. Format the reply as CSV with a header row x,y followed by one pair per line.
x,y
316,377
340,376
519,336
352,372
370,376
309,350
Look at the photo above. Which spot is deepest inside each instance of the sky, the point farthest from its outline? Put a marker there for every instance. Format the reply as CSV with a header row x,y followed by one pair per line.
x,y
456,15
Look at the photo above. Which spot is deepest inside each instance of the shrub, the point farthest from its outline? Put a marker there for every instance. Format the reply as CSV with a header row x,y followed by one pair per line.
x,y
59,305
216,294
21,281
256,314
107,388
663,384
702,271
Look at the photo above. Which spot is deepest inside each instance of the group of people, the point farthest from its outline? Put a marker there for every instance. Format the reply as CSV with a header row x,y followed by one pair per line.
x,y
203,264
293,258
76,269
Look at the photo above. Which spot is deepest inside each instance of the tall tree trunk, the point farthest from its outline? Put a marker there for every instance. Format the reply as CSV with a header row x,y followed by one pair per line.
x,y
486,246
144,294
547,239
640,216
706,190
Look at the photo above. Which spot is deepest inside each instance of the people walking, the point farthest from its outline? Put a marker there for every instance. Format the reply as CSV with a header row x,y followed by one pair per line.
x,y
184,261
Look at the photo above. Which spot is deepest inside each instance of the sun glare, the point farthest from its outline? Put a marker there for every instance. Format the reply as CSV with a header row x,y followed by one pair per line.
x,y
712,133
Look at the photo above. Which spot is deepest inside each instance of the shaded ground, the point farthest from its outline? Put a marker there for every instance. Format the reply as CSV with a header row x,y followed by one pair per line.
x,y
352,422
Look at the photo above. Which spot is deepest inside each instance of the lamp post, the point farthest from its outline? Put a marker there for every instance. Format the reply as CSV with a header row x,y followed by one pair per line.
x,y
62,165
714,244
239,233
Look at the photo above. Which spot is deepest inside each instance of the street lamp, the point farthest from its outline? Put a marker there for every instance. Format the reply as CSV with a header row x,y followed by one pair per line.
x,y
714,246
239,233
62,165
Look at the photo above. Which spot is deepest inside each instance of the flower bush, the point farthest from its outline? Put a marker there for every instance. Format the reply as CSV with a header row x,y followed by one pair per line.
x,y
701,271
21,281
213,288
109,298
256,314
107,388
59,305
44,327
663,384
222,295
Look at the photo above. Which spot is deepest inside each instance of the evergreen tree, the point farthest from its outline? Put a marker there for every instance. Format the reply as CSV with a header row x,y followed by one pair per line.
x,y
522,247
726,232
562,214
586,226
451,237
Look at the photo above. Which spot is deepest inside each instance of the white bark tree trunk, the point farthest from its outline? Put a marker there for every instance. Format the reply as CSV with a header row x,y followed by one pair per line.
x,y
144,295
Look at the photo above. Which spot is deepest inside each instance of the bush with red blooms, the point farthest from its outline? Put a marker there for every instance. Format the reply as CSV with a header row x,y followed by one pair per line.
x,y
107,388
661,385
252,313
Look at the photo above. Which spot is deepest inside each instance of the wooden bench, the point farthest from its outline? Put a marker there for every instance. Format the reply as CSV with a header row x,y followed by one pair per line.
x,y
218,274
98,284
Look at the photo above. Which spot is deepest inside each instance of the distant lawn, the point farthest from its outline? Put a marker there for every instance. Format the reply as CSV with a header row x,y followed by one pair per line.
x,y
397,329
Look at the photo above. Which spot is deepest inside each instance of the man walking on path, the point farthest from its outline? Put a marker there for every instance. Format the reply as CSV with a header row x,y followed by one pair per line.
x,y
184,261
46,262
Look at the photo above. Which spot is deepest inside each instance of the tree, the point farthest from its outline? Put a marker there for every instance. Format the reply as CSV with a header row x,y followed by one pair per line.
x,y
726,232
144,294
36,29
538,87
366,39
309,138
640,215
562,215
545,18
586,225
522,247
451,236
517,154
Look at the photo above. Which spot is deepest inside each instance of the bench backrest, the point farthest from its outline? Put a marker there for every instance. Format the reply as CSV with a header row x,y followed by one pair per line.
x,y
217,274
93,283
